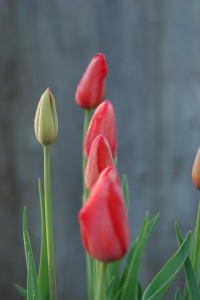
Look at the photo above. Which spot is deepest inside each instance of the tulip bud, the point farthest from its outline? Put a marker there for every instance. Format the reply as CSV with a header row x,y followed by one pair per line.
x,y
46,122
196,171
102,123
111,173
103,220
99,158
91,89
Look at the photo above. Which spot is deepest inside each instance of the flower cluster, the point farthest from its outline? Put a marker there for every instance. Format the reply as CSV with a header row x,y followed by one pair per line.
x,y
103,218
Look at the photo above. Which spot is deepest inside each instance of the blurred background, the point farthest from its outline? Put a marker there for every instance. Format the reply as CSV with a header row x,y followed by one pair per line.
x,y
152,49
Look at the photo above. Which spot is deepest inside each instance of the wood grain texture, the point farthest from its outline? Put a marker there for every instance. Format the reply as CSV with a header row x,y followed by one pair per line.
x,y
152,50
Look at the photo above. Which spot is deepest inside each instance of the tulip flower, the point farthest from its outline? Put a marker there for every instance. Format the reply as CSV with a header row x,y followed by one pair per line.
x,y
46,122
196,171
111,173
91,89
99,158
102,123
103,219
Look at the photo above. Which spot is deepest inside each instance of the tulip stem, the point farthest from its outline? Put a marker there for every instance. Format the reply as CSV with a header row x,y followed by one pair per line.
x,y
197,240
89,260
49,229
86,124
101,281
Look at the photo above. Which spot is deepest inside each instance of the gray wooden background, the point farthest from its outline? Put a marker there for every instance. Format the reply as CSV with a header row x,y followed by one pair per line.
x,y
153,55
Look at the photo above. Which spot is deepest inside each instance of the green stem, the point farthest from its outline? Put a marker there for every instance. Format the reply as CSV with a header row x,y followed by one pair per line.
x,y
89,260
101,281
43,276
197,240
86,124
49,229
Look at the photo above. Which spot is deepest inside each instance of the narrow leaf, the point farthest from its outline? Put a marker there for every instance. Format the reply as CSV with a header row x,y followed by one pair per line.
x,y
30,286
177,295
196,242
186,294
91,281
152,223
140,291
130,288
125,189
113,276
22,291
163,279
192,284
130,253
115,160
29,256
132,264
109,288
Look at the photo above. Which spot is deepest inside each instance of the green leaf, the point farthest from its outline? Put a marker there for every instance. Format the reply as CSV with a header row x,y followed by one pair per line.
x,y
22,291
30,285
186,294
30,260
118,294
109,288
130,253
198,268
152,224
177,295
196,242
43,277
192,246
125,189
113,278
115,160
113,269
31,289
130,286
130,275
163,279
192,284
133,258
91,281
140,291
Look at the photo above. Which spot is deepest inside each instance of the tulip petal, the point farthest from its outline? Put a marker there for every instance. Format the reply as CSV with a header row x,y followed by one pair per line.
x,y
99,158
103,219
102,123
91,89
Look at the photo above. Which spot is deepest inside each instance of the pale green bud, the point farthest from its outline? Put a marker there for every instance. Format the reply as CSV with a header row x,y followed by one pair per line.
x,y
46,122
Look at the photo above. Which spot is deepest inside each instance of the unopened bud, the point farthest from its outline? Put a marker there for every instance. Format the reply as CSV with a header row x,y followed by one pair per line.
x,y
46,122
196,171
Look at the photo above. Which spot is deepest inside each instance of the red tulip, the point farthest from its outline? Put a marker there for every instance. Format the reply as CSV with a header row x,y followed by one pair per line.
x,y
102,123
110,172
99,158
91,89
103,219
196,171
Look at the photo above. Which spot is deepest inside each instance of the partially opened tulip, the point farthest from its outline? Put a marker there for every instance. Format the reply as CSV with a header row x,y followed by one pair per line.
x,y
103,219
99,158
196,171
91,89
102,123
